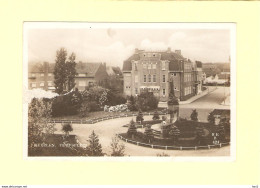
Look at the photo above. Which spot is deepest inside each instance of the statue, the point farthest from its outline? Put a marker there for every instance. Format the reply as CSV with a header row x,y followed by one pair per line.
x,y
173,103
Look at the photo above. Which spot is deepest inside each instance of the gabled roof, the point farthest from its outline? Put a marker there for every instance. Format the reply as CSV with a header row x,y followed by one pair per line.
x,y
40,67
90,69
174,58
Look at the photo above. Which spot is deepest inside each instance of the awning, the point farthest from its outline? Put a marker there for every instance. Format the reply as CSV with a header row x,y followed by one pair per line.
x,y
150,87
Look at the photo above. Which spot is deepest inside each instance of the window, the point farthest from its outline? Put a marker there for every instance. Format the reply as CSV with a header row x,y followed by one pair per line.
x,y
144,78
154,78
163,65
154,66
163,78
174,74
163,91
127,87
49,83
82,83
145,66
149,78
49,74
136,78
42,75
149,66
42,84
33,84
33,75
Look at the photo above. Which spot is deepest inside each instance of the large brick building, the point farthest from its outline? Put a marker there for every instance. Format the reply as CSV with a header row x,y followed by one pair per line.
x,y
153,71
41,75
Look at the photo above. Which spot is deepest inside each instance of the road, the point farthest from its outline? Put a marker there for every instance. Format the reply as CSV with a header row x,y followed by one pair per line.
x,y
212,100
108,128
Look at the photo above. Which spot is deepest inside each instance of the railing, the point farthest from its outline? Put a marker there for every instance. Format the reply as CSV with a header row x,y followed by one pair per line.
x,y
171,147
95,120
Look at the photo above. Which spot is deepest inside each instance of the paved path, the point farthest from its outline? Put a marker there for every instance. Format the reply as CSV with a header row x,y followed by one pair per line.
x,y
108,128
212,100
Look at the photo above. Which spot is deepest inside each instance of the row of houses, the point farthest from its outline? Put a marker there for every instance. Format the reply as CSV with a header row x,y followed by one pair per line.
x,y
41,75
152,71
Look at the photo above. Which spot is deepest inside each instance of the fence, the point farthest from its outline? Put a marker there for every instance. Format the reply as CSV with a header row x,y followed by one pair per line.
x,y
95,120
171,147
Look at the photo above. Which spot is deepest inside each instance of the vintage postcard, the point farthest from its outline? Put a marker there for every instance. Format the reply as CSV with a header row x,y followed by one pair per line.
x,y
124,91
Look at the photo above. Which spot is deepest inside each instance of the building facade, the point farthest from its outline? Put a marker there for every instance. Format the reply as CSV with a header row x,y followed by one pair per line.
x,y
42,75
154,71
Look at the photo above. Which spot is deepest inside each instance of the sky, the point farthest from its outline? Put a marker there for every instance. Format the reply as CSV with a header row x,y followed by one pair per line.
x,y
114,45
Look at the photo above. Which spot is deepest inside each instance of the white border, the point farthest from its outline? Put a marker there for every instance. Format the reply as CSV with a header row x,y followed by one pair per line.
x,y
76,25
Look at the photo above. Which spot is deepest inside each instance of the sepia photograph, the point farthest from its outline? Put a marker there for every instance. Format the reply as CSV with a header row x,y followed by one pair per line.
x,y
123,90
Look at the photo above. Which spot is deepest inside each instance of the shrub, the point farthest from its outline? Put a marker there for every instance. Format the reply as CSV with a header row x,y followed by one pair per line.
x,y
95,94
147,101
132,130
66,128
148,133
211,118
93,106
156,115
194,115
175,133
84,109
68,104
117,147
131,103
115,98
139,117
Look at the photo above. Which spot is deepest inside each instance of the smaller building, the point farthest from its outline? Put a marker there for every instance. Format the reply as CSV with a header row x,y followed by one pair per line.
x,y
41,75
89,74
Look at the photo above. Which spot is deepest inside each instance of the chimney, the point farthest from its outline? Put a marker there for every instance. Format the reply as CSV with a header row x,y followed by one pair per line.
x,y
178,52
169,50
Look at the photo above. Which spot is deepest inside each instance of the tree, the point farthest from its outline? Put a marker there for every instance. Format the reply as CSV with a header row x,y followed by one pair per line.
x,y
60,73
94,148
156,115
71,71
194,115
140,116
67,128
211,118
175,133
131,105
148,133
39,114
118,148
132,130
84,109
